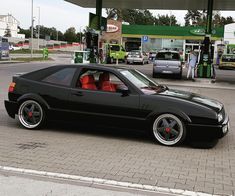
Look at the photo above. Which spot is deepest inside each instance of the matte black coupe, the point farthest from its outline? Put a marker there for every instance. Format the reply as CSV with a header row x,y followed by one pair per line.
x,y
117,97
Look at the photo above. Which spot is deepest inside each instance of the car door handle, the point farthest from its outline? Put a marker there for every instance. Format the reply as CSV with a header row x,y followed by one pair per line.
x,y
77,93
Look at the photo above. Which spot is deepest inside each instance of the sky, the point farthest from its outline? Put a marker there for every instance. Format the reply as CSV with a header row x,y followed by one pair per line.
x,y
62,15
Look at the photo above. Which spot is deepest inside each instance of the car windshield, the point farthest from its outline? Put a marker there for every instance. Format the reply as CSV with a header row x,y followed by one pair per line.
x,y
134,52
168,56
114,47
141,81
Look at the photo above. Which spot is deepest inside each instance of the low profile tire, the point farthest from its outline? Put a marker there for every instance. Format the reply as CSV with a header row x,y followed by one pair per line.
x,y
179,76
169,130
154,75
31,114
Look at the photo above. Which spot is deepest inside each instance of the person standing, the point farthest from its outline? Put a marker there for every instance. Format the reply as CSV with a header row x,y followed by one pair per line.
x,y
192,64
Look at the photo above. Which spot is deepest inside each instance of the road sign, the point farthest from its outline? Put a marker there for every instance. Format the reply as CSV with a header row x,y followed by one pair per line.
x,y
145,38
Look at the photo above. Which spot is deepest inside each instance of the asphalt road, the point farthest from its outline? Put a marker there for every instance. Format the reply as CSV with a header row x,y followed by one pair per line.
x,y
117,154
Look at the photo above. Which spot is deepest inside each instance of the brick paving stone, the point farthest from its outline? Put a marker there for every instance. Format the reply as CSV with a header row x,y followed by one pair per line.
x,y
213,185
166,184
222,192
184,186
203,189
132,180
148,182
113,177
177,180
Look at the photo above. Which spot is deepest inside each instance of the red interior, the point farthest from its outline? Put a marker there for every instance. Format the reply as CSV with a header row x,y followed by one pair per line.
x,y
105,84
88,82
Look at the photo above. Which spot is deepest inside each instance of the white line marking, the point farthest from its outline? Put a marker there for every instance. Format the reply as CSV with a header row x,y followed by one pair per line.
x,y
101,181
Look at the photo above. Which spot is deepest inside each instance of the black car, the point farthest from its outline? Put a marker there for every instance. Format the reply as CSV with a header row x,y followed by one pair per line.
x,y
116,97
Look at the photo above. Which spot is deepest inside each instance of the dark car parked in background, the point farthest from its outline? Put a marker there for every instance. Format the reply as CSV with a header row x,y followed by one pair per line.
x,y
114,97
167,62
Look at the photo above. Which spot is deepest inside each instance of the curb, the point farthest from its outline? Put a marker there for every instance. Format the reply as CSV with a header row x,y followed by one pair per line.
x,y
105,182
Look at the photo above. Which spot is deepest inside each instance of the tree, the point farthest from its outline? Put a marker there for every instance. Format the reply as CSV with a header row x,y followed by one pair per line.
x,y
199,18
166,20
70,35
192,17
7,32
140,17
26,32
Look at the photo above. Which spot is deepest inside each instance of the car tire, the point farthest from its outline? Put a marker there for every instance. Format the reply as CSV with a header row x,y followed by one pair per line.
x,y
179,76
168,130
154,75
31,114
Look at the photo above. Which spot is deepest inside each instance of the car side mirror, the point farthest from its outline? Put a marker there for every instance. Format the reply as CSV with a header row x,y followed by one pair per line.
x,y
122,89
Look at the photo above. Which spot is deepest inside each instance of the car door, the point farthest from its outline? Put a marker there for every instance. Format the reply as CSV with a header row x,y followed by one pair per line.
x,y
55,89
105,107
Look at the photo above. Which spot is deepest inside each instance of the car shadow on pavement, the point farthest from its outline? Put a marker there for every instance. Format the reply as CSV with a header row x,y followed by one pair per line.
x,y
120,133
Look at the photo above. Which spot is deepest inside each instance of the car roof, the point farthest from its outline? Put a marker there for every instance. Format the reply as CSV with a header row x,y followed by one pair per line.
x,y
94,66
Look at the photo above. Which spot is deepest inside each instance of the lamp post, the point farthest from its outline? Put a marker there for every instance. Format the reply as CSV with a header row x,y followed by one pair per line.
x,y
38,26
32,30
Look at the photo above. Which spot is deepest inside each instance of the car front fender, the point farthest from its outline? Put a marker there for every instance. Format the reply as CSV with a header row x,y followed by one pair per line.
x,y
173,111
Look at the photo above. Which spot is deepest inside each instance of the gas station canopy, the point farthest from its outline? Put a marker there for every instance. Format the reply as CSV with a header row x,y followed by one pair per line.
x,y
158,4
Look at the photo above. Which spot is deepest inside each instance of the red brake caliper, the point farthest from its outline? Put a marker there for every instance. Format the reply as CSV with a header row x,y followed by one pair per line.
x,y
168,129
30,114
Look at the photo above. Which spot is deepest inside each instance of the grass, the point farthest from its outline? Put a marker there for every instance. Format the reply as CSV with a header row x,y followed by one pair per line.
x,y
31,59
25,51
28,51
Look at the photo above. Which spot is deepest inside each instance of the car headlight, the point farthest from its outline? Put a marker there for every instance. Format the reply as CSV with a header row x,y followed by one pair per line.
x,y
220,117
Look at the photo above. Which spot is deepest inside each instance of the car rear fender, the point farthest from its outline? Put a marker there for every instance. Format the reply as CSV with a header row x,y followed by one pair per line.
x,y
34,97
152,116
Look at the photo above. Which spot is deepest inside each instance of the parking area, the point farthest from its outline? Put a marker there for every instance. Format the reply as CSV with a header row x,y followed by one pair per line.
x,y
116,154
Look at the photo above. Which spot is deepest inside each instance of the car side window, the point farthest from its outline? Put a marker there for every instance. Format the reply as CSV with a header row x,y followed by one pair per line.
x,y
62,77
99,80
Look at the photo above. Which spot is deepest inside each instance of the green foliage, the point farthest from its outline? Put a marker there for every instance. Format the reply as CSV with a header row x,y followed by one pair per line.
x,y
140,17
166,20
199,18
70,35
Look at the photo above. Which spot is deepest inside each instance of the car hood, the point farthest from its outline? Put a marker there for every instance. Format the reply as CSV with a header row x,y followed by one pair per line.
x,y
195,98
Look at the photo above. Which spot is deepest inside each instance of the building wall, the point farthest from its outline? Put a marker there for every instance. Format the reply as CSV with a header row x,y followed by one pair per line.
x,y
229,33
8,21
108,37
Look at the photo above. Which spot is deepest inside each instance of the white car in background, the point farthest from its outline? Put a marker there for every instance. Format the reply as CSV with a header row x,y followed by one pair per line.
x,y
136,56
12,47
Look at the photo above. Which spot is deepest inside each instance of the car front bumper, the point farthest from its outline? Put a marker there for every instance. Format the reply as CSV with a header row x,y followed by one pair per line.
x,y
11,108
198,131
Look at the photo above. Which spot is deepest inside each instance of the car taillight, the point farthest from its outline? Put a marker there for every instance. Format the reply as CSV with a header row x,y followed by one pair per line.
x,y
11,87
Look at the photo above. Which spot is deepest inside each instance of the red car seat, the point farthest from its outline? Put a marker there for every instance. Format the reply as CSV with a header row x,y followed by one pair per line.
x,y
88,82
105,84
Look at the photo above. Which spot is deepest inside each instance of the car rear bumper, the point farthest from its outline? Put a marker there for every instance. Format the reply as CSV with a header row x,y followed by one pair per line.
x,y
166,70
229,65
134,60
198,131
11,108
